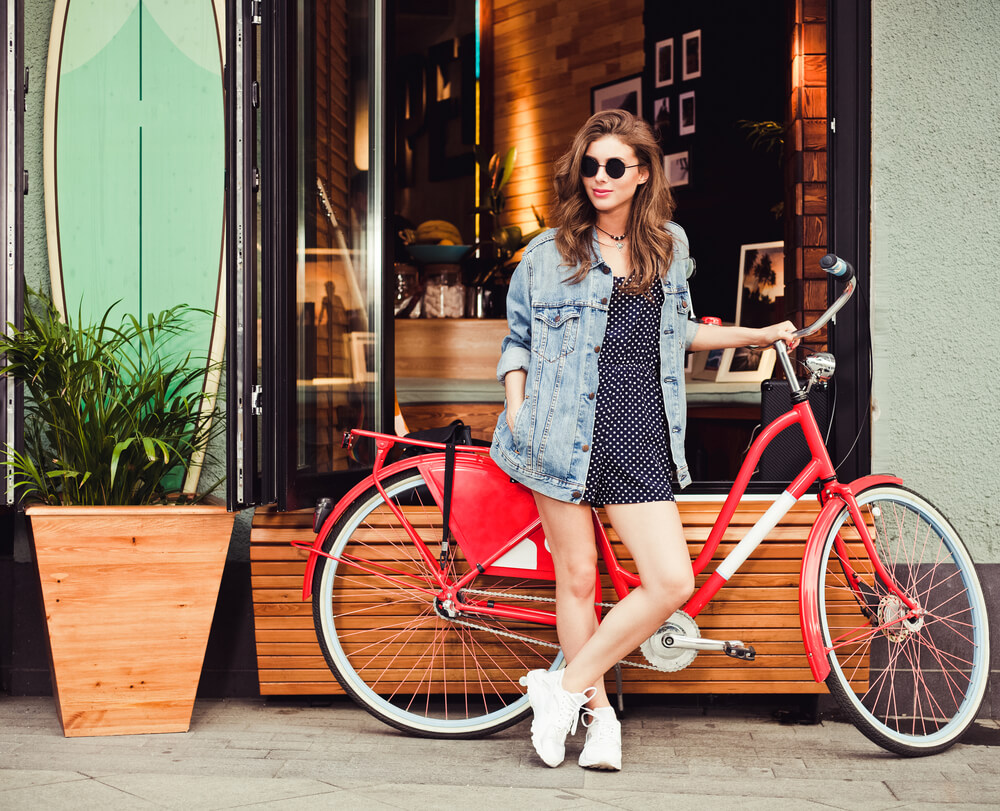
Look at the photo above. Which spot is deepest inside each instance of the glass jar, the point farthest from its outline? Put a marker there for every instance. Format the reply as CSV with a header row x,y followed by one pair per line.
x,y
444,293
407,288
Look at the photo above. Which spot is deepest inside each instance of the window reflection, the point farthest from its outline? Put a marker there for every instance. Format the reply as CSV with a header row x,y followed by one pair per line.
x,y
336,360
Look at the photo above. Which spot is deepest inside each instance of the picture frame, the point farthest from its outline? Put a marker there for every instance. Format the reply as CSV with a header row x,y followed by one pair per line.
x,y
620,94
691,55
745,365
663,65
761,288
677,167
662,120
361,350
706,364
686,113
759,302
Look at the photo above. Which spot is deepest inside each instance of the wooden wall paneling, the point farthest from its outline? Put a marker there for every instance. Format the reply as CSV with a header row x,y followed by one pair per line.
x,y
806,182
758,606
544,69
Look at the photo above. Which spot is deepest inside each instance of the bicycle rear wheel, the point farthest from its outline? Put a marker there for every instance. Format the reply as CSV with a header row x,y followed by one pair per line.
x,y
395,650
911,686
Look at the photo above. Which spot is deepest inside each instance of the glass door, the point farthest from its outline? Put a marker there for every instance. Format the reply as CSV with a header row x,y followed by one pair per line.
x,y
335,284
14,79
308,335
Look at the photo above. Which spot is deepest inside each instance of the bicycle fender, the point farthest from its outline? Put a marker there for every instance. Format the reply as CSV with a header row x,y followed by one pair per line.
x,y
812,635
342,505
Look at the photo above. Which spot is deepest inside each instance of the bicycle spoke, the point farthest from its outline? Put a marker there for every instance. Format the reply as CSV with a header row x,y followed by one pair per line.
x,y
919,674
388,639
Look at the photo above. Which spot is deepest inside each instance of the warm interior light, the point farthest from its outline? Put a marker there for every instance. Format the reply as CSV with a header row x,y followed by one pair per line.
x,y
361,127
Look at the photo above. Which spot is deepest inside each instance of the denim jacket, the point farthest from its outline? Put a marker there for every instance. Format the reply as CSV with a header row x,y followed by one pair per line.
x,y
555,334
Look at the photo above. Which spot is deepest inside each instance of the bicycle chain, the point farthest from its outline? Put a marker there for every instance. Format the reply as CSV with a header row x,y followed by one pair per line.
x,y
532,640
503,595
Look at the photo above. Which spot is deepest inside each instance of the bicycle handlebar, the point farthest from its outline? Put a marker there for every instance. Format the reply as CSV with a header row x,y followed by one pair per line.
x,y
843,270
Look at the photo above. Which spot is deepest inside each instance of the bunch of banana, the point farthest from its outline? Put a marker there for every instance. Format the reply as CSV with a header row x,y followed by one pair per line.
x,y
437,232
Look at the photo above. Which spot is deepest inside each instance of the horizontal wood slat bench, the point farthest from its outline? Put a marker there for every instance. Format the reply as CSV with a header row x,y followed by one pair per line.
x,y
759,606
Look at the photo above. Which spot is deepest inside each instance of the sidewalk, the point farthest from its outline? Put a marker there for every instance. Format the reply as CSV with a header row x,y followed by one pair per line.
x,y
289,754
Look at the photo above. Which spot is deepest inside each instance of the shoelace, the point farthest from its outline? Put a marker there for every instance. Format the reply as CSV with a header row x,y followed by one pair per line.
x,y
595,729
569,709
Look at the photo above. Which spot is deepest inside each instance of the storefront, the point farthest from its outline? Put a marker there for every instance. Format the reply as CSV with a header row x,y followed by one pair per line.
x,y
348,122
354,122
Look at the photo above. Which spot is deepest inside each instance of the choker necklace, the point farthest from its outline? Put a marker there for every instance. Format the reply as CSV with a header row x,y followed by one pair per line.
x,y
619,241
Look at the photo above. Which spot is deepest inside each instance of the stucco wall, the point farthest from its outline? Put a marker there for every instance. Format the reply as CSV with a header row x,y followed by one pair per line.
x,y
936,256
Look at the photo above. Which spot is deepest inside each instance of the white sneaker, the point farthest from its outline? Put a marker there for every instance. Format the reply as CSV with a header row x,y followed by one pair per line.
x,y
603,748
556,713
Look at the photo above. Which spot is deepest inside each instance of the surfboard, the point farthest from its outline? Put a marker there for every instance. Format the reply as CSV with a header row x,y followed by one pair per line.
x,y
134,158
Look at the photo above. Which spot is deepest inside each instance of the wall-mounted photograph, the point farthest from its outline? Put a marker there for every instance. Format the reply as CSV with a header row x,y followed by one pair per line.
x,y
691,55
759,302
685,105
621,94
664,62
677,166
761,294
662,120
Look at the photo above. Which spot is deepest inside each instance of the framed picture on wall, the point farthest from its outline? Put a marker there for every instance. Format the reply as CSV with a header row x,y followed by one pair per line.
x,y
664,62
662,121
686,116
745,365
621,94
691,55
677,167
760,298
759,302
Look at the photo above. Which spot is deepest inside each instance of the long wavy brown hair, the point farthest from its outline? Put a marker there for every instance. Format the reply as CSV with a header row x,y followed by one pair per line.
x,y
651,246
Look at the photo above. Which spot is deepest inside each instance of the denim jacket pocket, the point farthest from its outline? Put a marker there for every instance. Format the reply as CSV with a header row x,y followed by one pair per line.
x,y
519,422
554,330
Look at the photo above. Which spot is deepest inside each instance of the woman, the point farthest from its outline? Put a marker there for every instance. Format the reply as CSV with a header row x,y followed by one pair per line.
x,y
593,369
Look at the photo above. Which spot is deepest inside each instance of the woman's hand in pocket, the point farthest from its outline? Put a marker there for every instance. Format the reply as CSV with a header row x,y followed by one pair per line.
x,y
512,409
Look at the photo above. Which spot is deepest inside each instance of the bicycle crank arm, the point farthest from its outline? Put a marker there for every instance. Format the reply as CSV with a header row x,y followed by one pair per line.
x,y
735,649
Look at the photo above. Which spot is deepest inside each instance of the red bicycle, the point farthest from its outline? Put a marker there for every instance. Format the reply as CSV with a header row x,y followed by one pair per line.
x,y
433,590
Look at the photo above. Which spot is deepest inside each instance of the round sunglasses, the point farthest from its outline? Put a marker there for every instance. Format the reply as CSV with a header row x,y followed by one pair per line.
x,y
615,167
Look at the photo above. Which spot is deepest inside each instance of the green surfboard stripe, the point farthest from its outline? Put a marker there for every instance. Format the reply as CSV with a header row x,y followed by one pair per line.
x,y
140,169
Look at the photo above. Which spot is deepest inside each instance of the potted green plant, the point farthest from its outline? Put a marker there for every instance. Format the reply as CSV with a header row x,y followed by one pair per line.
x,y
129,566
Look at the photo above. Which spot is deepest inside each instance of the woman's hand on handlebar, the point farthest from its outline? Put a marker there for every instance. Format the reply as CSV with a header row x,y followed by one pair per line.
x,y
785,331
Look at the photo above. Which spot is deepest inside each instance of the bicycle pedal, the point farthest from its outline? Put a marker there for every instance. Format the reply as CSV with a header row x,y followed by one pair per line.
x,y
737,650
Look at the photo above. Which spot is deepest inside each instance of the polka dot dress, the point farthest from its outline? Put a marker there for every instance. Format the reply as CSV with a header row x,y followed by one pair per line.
x,y
630,460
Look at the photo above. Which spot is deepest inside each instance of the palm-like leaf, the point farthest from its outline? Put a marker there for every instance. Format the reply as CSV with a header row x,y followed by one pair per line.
x,y
113,416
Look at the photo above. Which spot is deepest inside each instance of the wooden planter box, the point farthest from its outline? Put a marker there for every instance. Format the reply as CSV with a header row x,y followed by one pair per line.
x,y
759,606
129,594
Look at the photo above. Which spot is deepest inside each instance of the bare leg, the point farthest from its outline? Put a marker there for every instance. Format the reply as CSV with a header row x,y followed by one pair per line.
x,y
654,536
569,530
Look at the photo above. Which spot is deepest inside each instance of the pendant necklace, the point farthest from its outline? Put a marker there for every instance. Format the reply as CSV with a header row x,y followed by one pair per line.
x,y
619,241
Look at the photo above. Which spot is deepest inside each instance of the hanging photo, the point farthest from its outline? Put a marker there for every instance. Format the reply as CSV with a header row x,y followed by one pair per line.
x,y
621,94
685,104
664,62
662,121
691,55
760,301
677,167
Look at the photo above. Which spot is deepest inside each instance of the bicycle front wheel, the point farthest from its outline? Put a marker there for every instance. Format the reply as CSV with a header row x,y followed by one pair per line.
x,y
913,686
396,650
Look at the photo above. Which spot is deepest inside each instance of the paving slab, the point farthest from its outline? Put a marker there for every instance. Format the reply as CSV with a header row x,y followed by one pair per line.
x,y
293,754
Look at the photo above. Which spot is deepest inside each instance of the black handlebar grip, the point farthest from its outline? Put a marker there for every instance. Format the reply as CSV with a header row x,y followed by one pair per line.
x,y
836,266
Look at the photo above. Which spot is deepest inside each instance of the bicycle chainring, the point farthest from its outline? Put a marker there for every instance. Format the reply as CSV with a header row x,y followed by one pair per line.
x,y
665,657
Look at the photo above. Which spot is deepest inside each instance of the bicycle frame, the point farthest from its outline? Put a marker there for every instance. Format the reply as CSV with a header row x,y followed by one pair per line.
x,y
834,497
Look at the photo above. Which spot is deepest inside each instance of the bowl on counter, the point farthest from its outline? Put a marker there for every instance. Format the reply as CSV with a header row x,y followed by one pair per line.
x,y
438,254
